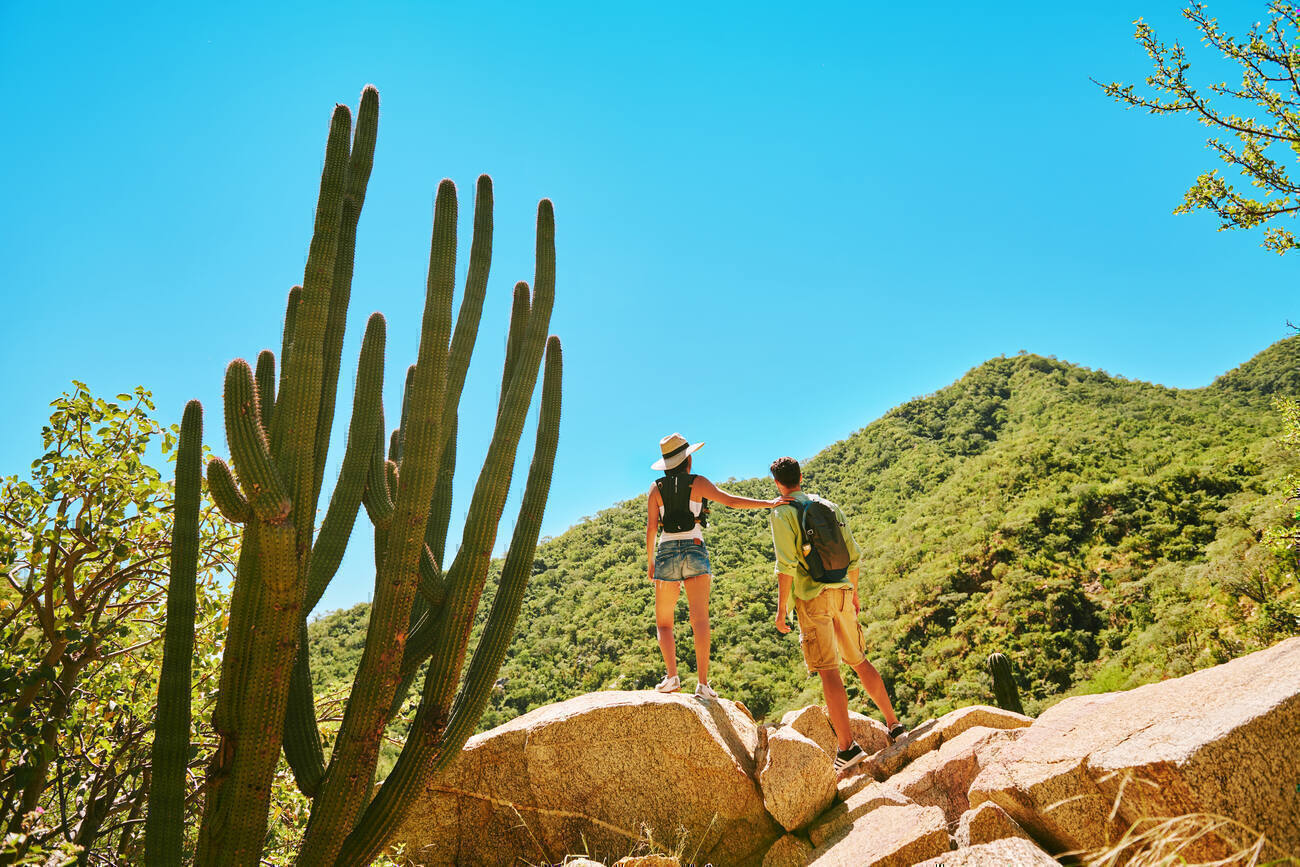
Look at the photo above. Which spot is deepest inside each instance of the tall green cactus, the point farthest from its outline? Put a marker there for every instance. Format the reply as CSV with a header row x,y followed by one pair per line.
x,y
164,829
278,433
1005,692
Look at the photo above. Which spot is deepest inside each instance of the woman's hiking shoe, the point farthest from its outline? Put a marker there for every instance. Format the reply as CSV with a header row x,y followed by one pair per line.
x,y
897,732
703,690
669,684
845,759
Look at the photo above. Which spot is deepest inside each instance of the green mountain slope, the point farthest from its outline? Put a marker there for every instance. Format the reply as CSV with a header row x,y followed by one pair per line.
x,y
1100,532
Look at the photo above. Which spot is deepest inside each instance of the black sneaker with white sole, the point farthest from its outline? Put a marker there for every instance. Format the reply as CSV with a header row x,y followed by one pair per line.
x,y
896,732
845,759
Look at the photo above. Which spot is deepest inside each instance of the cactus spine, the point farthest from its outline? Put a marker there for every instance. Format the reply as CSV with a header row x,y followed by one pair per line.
x,y
278,435
170,755
1005,692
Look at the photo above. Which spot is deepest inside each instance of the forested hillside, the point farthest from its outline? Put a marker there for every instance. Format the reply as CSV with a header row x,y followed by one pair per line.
x,y
1101,532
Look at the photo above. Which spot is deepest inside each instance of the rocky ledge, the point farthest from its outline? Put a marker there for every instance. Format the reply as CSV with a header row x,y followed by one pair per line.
x,y
622,777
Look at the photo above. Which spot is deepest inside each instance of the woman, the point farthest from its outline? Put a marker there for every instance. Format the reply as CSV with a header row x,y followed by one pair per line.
x,y
676,503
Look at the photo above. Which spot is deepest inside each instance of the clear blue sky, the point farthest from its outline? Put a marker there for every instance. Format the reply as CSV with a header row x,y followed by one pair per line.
x,y
905,193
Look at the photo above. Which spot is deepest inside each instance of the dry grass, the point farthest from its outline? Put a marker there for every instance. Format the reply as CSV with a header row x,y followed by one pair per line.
x,y
649,845
1169,841
1166,842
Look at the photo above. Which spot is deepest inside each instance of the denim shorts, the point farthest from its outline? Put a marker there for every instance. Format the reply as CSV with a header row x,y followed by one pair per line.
x,y
678,559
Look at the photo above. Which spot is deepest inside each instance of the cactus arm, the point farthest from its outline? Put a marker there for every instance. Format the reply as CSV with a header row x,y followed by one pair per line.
x,y
293,436
399,435
471,305
248,447
377,497
290,323
332,539
465,578
462,349
266,613
216,827
360,162
419,635
428,748
435,534
302,743
431,586
264,376
225,493
303,749
469,570
170,754
515,572
519,312
346,787
262,640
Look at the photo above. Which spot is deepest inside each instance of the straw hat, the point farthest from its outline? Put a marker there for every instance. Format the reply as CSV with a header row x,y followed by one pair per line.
x,y
675,449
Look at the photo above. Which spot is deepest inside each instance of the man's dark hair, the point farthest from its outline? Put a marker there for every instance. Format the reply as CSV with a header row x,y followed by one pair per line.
x,y
786,471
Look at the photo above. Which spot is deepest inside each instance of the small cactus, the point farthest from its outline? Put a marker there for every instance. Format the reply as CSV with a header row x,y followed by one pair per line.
x,y
1005,693
164,829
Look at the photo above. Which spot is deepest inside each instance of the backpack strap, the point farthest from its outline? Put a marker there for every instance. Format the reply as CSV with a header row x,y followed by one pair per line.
x,y
801,509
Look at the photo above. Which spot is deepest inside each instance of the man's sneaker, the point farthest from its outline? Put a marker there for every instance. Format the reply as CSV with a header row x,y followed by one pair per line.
x,y
896,732
703,690
669,684
845,759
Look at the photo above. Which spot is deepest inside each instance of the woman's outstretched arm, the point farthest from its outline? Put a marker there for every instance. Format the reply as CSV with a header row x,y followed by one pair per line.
x,y
710,491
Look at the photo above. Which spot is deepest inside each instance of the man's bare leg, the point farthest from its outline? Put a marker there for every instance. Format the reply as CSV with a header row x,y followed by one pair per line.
x,y
837,706
875,687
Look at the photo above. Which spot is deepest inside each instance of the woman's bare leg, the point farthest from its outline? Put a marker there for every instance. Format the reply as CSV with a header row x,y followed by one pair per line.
x,y
697,597
666,593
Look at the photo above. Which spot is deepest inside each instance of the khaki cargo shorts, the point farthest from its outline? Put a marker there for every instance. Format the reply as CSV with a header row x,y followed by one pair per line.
x,y
829,630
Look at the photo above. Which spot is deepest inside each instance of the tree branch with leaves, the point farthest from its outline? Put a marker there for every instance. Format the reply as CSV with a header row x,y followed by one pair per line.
x,y
1250,119
84,548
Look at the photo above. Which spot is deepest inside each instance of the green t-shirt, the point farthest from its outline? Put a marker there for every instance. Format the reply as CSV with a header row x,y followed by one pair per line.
x,y
789,556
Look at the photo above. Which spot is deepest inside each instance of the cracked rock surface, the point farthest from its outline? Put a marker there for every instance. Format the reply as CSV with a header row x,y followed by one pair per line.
x,y
600,774
613,773
1222,741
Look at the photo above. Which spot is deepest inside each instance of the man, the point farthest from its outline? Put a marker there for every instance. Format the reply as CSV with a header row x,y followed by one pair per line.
x,y
827,614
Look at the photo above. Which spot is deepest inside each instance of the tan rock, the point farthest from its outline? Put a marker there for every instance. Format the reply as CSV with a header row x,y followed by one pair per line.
x,y
1012,852
648,861
870,734
596,774
841,817
855,780
797,779
760,752
986,823
931,734
811,722
1219,741
888,836
942,778
790,851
